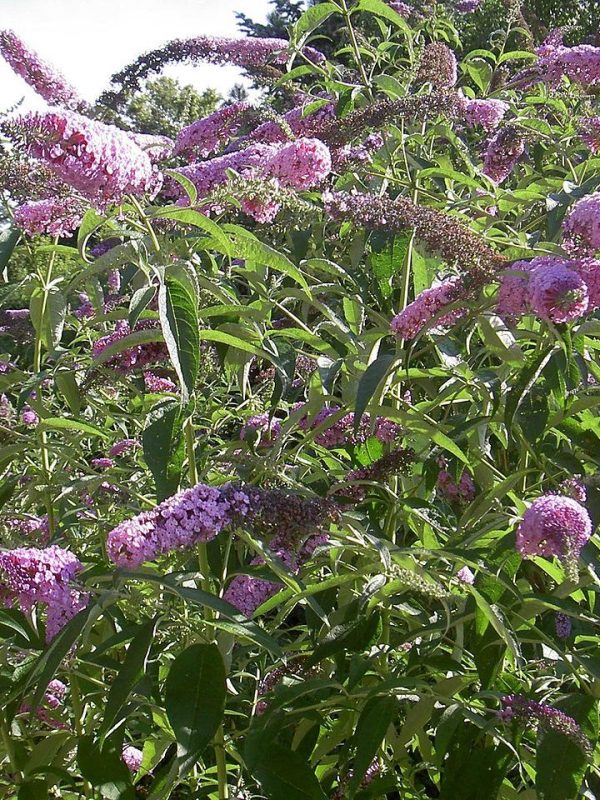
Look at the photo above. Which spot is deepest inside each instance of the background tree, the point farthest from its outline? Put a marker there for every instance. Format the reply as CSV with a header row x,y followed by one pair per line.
x,y
164,107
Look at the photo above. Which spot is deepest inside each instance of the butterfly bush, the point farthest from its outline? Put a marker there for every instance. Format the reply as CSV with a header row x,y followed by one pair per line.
x,y
299,407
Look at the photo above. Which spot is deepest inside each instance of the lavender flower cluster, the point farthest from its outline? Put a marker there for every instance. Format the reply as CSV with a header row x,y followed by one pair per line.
x,y
39,74
99,161
554,525
205,136
53,216
554,288
430,304
194,515
341,432
245,52
137,356
503,152
30,576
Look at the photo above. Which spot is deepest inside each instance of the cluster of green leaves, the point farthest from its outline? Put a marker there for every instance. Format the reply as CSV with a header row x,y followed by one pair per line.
x,y
382,653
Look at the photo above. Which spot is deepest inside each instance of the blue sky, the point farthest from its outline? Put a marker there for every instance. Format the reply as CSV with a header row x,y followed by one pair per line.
x,y
88,40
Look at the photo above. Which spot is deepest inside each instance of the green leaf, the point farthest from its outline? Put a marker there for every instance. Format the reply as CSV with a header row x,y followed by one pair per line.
x,y
8,242
370,380
66,384
64,424
525,380
191,217
492,615
91,221
560,764
233,621
139,300
131,340
163,444
282,772
473,764
250,248
195,700
381,9
313,17
50,660
48,311
388,262
178,312
131,672
375,718
104,769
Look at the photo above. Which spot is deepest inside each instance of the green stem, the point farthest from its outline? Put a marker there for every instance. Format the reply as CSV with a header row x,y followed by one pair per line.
x,y
220,756
10,750
355,48
45,281
146,222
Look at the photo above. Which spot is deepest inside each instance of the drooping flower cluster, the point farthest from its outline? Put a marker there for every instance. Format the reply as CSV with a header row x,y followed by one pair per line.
x,y
295,669
341,431
137,356
39,74
553,288
28,525
352,488
29,575
191,516
53,216
245,52
373,771
438,66
521,709
205,136
339,132
488,113
427,305
442,234
99,161
503,152
581,227
554,525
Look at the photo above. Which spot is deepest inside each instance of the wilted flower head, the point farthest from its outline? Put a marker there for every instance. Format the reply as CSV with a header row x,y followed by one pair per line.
x,y
502,153
352,488
39,74
438,66
461,492
99,161
520,708
53,216
574,488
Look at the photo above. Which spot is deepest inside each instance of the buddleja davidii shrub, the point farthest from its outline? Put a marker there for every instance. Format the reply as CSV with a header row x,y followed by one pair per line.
x,y
385,581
